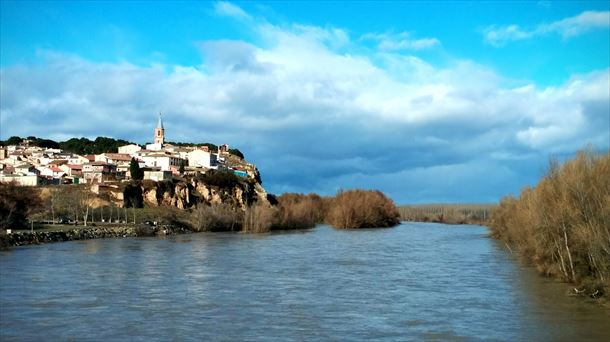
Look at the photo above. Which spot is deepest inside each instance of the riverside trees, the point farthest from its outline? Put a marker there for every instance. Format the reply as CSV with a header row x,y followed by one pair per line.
x,y
562,225
17,204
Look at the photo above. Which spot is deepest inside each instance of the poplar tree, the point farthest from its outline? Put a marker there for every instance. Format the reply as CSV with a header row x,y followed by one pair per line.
x,y
135,171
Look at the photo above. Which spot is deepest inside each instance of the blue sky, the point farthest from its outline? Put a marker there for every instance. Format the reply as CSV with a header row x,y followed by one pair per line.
x,y
429,102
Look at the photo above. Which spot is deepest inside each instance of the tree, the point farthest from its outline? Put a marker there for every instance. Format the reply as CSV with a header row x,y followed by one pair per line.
x,y
17,205
236,153
135,171
47,143
14,140
181,169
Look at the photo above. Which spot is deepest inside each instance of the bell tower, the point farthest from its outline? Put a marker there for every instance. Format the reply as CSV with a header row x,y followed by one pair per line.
x,y
159,132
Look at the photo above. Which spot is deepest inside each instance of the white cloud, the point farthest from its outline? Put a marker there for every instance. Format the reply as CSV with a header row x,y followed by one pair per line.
x,y
313,116
567,28
498,36
574,26
400,41
227,9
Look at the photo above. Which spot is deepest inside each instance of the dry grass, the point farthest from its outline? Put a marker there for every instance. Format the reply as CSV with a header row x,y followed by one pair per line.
x,y
562,226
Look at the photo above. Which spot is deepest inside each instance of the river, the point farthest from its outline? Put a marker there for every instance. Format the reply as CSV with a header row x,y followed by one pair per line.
x,y
416,281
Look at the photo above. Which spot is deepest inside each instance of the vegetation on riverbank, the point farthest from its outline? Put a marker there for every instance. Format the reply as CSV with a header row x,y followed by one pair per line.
x,y
349,209
562,225
362,209
27,208
447,213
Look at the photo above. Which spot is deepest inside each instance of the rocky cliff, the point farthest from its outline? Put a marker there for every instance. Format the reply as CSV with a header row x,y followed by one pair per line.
x,y
212,189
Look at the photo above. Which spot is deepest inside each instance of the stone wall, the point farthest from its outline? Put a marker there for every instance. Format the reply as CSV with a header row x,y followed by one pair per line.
x,y
38,237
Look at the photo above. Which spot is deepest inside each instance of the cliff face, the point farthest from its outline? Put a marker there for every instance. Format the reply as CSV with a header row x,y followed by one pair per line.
x,y
187,192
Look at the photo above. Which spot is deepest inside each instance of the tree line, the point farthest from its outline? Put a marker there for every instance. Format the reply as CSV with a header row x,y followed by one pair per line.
x,y
97,146
74,145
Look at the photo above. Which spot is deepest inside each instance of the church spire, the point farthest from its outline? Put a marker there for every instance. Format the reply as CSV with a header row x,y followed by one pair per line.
x,y
160,123
159,137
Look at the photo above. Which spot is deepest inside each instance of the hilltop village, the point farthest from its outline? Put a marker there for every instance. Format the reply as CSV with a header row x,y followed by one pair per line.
x,y
29,165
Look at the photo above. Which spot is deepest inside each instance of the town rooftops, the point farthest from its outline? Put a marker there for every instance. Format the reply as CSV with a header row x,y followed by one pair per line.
x,y
159,155
98,163
58,162
118,156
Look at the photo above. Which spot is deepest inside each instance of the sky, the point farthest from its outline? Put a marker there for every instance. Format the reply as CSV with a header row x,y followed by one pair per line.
x,y
429,102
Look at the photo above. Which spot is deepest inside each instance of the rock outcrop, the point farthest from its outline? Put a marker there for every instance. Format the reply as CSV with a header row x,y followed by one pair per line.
x,y
187,192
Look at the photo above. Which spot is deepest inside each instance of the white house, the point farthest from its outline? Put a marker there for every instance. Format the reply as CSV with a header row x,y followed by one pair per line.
x,y
72,169
154,147
164,161
26,169
75,159
201,158
157,175
52,171
131,149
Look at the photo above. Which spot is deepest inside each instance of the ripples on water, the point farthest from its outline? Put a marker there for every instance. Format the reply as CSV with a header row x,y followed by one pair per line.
x,y
413,282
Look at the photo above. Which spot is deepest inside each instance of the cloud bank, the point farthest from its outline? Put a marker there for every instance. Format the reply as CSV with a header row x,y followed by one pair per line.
x,y
317,116
566,28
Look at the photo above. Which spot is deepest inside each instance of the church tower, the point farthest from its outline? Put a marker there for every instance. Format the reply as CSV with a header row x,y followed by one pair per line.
x,y
159,132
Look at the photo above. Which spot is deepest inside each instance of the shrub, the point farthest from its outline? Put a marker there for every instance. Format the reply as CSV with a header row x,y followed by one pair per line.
x,y
561,225
168,215
221,179
217,218
362,209
236,153
258,219
298,211
145,230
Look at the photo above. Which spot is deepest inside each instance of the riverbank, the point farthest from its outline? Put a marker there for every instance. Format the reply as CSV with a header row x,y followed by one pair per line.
x,y
23,238
560,226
